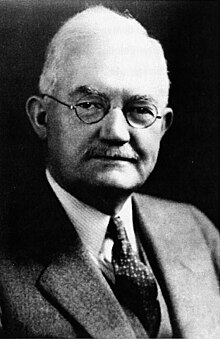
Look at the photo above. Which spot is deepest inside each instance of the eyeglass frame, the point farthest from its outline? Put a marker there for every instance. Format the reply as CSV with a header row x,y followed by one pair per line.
x,y
74,107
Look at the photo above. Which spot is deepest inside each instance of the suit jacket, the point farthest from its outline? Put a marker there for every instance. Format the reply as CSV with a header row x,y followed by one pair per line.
x,y
50,286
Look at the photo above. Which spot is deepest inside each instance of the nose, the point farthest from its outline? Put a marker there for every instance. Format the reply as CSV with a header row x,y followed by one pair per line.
x,y
114,128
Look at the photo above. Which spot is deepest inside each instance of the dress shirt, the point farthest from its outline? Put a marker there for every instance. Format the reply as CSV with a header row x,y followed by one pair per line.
x,y
91,226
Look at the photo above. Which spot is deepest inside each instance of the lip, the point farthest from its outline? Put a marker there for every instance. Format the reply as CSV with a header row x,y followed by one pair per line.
x,y
114,158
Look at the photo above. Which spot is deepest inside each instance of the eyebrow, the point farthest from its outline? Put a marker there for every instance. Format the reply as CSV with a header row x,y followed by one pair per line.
x,y
85,89
137,97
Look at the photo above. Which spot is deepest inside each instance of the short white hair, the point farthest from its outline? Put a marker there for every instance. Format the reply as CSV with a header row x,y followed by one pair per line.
x,y
86,24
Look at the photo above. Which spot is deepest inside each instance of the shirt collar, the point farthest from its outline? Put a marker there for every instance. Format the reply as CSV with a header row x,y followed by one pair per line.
x,y
90,223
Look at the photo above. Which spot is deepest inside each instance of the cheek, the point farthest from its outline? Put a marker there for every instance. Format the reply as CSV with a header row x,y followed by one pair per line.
x,y
149,144
68,140
61,140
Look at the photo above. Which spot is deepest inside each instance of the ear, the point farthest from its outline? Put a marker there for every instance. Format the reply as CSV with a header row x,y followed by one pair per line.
x,y
167,120
35,109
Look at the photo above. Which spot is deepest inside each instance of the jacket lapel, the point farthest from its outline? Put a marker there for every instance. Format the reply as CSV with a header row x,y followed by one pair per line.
x,y
74,282
182,265
68,277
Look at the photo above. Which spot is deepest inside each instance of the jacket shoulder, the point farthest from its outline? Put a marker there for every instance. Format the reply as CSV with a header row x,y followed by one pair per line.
x,y
177,213
181,221
171,209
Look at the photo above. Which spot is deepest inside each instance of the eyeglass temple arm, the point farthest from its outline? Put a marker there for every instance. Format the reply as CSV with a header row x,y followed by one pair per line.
x,y
61,102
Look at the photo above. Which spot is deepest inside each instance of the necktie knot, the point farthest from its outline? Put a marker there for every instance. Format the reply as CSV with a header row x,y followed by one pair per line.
x,y
116,229
122,249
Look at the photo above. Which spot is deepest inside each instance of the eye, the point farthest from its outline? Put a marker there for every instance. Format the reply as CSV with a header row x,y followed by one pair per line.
x,y
89,105
86,105
142,110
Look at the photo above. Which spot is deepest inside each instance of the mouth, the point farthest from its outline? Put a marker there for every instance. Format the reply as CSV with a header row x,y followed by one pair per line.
x,y
115,158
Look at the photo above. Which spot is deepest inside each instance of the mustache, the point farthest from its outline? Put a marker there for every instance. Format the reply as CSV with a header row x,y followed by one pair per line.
x,y
125,152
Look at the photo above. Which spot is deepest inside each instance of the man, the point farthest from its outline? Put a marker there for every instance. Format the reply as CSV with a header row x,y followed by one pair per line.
x,y
101,117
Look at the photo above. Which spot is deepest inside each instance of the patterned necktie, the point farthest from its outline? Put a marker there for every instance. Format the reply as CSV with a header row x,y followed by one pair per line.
x,y
134,282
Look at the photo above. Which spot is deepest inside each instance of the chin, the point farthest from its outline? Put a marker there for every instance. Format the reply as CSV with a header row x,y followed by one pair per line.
x,y
117,181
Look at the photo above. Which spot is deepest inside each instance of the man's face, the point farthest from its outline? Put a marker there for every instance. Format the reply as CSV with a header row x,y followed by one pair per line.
x,y
109,153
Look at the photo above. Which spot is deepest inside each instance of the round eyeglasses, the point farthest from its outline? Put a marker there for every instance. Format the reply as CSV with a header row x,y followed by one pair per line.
x,y
91,109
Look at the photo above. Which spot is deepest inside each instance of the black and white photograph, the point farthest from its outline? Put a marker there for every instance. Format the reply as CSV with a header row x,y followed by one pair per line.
x,y
109,169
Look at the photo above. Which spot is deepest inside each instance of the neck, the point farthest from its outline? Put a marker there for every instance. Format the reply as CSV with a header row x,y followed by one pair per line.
x,y
106,200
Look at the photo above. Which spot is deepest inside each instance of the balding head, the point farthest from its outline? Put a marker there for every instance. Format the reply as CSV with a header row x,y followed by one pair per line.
x,y
102,31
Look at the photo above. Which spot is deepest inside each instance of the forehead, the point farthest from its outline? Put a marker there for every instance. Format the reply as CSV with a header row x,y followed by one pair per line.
x,y
114,66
